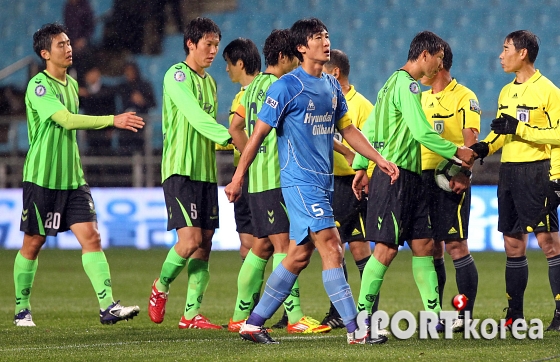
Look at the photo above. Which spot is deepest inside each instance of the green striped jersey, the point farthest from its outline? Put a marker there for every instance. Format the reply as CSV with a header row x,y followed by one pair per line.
x,y
190,130
53,159
398,126
264,172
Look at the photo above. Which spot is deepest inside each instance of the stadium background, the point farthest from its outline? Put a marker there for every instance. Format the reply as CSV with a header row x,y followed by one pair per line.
x,y
375,35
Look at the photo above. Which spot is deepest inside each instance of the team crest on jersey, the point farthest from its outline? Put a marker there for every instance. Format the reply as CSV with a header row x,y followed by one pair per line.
x,y
439,127
311,106
40,90
414,87
271,102
475,107
179,76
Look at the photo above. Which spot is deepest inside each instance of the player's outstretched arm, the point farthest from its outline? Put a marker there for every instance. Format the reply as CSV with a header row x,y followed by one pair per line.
x,y
233,189
237,132
465,154
344,151
129,121
359,143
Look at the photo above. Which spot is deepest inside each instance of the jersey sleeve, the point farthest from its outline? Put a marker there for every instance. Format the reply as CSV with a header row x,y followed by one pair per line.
x,y
42,98
277,102
415,118
183,97
539,135
469,103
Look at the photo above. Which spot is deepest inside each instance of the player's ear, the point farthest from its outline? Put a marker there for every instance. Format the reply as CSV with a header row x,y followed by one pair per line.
x,y
45,54
190,45
523,53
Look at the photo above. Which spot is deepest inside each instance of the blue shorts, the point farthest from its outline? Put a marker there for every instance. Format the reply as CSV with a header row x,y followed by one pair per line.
x,y
309,209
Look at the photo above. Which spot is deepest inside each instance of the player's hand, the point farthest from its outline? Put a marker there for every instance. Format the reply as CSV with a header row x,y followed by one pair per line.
x,y
459,183
505,124
466,155
233,190
358,184
480,149
390,169
553,195
129,121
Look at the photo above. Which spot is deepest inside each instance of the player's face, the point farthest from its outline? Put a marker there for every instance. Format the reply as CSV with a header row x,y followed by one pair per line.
x,y
60,54
510,58
204,52
235,71
318,48
434,63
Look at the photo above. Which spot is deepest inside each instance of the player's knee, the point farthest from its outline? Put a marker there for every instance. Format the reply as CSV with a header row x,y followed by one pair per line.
x,y
457,249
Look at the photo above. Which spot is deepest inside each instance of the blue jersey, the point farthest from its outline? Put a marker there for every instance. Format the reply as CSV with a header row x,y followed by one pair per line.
x,y
305,110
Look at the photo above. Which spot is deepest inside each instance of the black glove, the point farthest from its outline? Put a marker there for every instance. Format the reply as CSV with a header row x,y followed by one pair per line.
x,y
505,124
481,150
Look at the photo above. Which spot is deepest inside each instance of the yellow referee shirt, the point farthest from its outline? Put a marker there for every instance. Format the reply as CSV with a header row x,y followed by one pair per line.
x,y
234,104
359,109
449,112
535,102
544,136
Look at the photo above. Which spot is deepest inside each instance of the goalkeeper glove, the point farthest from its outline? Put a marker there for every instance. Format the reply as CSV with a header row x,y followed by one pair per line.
x,y
505,124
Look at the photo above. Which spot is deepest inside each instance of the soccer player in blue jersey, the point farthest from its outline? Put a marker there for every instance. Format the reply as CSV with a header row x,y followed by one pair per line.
x,y
305,106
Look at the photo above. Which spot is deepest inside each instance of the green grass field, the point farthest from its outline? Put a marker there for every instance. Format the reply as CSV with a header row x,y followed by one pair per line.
x,y
68,328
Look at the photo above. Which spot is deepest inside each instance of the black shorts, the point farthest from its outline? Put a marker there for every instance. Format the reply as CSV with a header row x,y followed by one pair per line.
x,y
522,198
48,212
242,212
269,214
349,212
190,203
398,212
449,212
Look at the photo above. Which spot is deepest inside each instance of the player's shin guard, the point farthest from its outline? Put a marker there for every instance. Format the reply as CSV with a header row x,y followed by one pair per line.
x,y
277,289
340,294
372,279
517,275
292,303
249,284
97,269
24,274
171,268
199,277
554,278
466,276
426,281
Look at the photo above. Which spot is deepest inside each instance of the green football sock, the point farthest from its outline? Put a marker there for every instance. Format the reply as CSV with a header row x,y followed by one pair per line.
x,y
171,268
426,280
372,278
291,304
249,284
97,269
199,276
24,273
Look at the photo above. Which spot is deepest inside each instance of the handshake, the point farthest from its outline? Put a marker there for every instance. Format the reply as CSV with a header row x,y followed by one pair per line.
x,y
505,124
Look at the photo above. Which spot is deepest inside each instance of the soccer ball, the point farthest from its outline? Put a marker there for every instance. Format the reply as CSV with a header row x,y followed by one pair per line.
x,y
443,173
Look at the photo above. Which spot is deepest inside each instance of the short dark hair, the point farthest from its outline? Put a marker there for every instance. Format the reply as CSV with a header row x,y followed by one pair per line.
x,y
245,50
279,41
302,30
339,59
42,39
524,39
447,56
197,28
425,40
